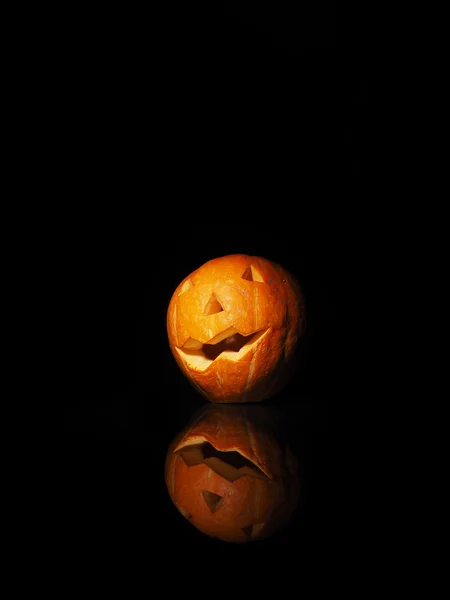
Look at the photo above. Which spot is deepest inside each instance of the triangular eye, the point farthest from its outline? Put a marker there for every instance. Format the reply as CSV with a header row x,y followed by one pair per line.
x,y
213,306
252,274
213,500
252,531
186,286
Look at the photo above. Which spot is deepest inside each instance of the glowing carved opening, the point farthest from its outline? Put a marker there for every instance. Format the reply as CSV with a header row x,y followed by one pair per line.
x,y
230,465
229,344
252,531
213,306
186,286
252,274
214,501
234,343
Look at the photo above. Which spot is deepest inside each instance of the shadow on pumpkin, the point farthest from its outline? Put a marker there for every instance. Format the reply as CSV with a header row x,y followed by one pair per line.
x,y
231,475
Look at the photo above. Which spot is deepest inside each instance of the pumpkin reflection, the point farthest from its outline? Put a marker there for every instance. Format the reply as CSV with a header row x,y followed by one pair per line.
x,y
230,475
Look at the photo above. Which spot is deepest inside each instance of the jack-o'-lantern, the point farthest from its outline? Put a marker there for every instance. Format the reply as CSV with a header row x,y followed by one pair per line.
x,y
230,476
233,327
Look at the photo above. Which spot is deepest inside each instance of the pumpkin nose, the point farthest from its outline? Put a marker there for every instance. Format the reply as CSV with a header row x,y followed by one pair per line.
x,y
213,306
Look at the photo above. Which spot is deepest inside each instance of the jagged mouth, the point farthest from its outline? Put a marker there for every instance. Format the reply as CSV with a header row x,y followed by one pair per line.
x,y
229,344
230,464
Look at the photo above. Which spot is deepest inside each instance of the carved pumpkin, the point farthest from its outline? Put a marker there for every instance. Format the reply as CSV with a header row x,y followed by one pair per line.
x,y
233,327
230,477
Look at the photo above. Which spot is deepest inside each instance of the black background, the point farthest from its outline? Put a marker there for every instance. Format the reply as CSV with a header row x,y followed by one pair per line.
x,y
195,136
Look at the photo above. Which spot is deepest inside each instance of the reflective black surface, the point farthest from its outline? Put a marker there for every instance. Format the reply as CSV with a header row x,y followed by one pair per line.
x,y
279,138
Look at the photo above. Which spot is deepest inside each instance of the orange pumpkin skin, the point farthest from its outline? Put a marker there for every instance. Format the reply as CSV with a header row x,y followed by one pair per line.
x,y
233,327
233,504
